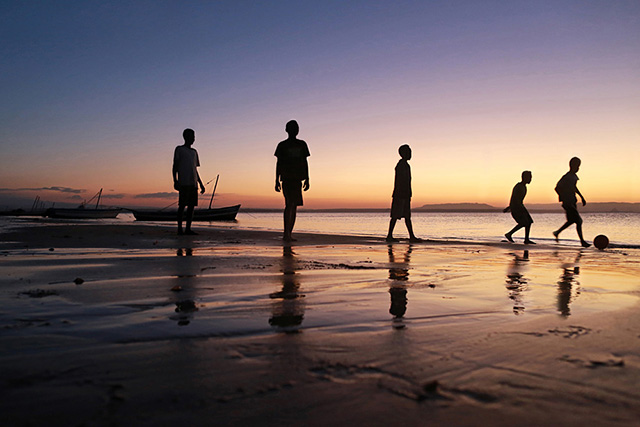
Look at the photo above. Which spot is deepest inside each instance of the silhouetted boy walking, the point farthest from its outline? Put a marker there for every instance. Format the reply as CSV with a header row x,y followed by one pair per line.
x,y
292,175
567,188
401,198
186,179
518,211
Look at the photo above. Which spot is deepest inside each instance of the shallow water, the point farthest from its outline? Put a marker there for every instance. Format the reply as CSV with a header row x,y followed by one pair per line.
x,y
131,296
622,229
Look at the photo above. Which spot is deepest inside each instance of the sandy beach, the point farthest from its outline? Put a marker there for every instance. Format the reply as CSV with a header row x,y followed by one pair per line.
x,y
133,325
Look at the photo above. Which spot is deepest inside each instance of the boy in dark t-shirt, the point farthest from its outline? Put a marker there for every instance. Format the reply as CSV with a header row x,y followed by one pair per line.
x,y
567,188
401,198
517,209
292,175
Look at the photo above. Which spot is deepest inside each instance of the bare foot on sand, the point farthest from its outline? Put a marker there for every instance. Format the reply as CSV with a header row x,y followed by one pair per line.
x,y
508,236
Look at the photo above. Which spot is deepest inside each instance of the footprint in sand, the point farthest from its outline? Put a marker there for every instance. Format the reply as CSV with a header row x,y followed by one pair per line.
x,y
595,361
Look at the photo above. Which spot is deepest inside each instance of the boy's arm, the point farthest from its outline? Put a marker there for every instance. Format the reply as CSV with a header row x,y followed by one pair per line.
x,y
508,208
174,174
200,182
584,202
278,176
305,185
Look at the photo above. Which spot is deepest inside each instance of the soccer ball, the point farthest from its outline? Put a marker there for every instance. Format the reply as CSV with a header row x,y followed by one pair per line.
x,y
601,241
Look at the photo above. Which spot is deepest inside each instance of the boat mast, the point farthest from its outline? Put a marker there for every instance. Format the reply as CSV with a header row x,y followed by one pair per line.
x,y
35,204
99,194
214,191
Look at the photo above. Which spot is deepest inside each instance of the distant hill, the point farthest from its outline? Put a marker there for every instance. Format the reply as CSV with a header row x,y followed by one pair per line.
x,y
457,207
606,207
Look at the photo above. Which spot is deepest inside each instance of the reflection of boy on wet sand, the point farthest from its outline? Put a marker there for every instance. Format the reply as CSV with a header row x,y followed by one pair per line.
x,y
516,282
568,279
401,198
518,211
288,311
567,188
399,273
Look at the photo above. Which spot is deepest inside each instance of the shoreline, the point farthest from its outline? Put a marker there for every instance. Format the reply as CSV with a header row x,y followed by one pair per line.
x,y
149,235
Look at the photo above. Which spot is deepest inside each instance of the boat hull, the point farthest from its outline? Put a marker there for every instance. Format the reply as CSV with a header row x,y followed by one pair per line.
x,y
21,212
227,213
82,213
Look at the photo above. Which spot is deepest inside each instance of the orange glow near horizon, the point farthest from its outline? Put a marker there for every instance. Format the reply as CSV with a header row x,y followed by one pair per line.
x,y
357,178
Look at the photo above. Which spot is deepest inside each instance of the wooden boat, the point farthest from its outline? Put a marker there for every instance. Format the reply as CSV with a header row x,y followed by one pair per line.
x,y
83,212
227,213
21,212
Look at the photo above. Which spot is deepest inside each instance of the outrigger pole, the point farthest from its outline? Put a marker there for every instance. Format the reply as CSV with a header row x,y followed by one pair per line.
x,y
214,191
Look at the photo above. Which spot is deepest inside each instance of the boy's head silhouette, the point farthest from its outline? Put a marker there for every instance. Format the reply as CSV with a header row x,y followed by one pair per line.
x,y
189,136
405,152
292,128
526,177
574,164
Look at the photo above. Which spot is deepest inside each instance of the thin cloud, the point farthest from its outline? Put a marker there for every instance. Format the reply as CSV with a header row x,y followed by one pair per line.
x,y
64,190
161,195
58,189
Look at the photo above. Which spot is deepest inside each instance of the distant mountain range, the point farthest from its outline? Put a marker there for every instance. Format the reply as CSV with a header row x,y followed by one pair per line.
x,y
457,207
606,207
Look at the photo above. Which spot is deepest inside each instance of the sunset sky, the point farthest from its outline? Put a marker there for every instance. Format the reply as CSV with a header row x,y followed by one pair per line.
x,y
96,94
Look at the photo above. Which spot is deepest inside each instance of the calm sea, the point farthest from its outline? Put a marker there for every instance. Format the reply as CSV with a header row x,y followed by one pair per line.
x,y
622,229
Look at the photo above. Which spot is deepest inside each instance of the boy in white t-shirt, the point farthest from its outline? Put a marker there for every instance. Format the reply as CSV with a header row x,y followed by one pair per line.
x,y
186,179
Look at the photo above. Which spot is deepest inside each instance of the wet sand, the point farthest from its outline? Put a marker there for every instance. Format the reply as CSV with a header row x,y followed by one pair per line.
x,y
133,325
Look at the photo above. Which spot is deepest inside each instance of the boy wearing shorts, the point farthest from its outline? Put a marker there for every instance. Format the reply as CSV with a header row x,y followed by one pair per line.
x,y
186,179
518,211
292,175
567,188
401,198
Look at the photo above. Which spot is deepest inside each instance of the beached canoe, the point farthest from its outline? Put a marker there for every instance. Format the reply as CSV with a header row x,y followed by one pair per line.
x,y
22,212
82,213
227,213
